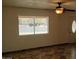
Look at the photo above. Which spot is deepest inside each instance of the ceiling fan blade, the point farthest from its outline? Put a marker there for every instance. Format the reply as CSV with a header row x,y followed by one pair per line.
x,y
69,10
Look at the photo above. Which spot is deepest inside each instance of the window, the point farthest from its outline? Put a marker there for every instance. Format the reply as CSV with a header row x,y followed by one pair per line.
x,y
73,26
29,25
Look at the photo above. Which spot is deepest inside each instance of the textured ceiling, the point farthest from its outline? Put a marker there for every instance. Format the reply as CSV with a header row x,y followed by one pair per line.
x,y
42,4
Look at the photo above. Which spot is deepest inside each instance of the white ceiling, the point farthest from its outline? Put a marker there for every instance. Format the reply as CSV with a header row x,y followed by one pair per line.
x,y
42,4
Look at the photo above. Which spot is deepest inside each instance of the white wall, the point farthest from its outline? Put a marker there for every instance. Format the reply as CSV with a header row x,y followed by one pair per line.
x,y
59,29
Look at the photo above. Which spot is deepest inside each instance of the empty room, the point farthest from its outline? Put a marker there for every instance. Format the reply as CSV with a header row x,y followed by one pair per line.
x,y
38,29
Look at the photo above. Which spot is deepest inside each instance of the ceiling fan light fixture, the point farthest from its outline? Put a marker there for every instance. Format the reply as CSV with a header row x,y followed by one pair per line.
x,y
59,10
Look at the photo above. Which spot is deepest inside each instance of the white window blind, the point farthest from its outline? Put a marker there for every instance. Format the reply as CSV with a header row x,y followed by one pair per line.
x,y
29,25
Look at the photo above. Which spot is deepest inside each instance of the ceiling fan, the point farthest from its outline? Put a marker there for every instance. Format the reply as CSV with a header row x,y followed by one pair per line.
x,y
59,9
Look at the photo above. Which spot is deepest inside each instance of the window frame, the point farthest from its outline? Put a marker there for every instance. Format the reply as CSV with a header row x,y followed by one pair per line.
x,y
34,26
